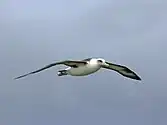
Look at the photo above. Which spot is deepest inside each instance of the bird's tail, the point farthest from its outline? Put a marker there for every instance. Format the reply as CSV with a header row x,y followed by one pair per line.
x,y
62,73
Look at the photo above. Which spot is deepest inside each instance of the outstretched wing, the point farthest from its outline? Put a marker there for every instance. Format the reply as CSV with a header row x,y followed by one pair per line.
x,y
67,63
122,70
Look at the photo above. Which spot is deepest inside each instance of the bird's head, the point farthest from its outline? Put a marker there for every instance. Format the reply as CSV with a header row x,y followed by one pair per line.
x,y
100,61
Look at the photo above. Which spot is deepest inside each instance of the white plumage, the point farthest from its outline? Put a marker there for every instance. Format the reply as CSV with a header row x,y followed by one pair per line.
x,y
87,69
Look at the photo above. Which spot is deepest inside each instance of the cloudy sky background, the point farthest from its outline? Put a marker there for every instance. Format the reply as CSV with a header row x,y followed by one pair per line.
x,y
36,33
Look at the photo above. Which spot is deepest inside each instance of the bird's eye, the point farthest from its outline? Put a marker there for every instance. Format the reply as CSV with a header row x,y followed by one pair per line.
x,y
100,61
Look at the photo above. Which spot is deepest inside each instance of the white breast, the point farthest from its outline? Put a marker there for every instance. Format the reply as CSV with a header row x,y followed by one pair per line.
x,y
85,70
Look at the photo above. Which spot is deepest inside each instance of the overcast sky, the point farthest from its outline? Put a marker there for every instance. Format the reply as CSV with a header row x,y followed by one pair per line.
x,y
129,32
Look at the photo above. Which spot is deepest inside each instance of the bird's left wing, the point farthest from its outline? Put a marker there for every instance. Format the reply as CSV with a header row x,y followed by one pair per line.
x,y
67,63
122,70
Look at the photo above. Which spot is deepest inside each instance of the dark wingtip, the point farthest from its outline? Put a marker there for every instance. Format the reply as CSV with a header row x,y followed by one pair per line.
x,y
21,76
137,78
17,78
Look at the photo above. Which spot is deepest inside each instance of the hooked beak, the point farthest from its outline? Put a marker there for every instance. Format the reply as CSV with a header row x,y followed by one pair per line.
x,y
105,64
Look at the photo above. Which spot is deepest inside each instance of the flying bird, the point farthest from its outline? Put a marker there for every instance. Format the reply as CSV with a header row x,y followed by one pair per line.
x,y
86,67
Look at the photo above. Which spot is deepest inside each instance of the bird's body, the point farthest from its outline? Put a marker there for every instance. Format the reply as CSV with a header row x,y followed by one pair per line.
x,y
88,66
87,69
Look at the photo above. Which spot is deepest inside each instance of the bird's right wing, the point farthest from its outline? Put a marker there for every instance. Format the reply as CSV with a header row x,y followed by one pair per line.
x,y
67,63
125,71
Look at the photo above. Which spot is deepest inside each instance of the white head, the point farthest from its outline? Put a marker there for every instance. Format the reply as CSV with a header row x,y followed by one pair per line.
x,y
100,61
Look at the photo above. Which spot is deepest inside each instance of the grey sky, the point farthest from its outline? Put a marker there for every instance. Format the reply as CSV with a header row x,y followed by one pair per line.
x,y
36,33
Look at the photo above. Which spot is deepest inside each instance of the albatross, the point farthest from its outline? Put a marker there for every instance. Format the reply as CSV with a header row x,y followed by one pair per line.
x,y
86,67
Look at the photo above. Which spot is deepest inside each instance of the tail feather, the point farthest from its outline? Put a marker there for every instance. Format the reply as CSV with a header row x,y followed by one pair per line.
x,y
62,73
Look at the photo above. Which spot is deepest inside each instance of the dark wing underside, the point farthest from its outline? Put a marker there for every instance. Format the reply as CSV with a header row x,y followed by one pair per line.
x,y
73,63
122,70
67,63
